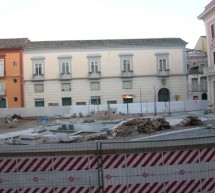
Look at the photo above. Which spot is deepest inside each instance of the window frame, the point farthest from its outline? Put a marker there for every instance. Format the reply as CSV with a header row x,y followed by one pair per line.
x,y
126,67
39,100
96,67
2,67
38,91
93,87
38,66
68,64
125,84
63,88
160,58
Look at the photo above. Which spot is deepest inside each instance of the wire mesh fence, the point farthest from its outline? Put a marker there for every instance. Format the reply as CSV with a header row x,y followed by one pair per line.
x,y
96,167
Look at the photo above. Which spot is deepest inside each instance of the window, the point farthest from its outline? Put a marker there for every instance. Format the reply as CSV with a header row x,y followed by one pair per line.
x,y
212,31
14,64
38,88
162,65
80,103
38,66
194,84
15,99
126,62
162,61
65,87
67,101
127,84
39,102
94,64
203,83
65,64
95,100
1,88
1,68
95,86
214,58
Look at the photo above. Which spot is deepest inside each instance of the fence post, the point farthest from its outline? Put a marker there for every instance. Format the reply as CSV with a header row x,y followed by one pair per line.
x,y
100,167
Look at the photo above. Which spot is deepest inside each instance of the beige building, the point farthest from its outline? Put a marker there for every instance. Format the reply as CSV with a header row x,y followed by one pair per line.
x,y
59,73
208,16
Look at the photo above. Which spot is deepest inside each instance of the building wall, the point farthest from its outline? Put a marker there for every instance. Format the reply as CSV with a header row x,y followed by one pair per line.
x,y
145,74
13,78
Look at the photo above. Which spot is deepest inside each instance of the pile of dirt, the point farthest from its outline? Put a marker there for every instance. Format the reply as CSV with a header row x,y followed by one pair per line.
x,y
106,115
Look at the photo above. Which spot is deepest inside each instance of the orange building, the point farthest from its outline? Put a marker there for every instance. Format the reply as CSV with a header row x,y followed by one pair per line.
x,y
11,72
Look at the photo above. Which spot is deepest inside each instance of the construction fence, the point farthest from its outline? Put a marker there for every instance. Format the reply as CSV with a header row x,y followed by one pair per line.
x,y
172,166
131,108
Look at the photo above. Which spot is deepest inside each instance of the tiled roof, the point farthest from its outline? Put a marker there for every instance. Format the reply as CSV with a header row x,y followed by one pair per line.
x,y
109,43
14,43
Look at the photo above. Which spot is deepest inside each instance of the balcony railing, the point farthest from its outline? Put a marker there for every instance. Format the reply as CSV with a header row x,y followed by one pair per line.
x,y
65,76
195,71
127,74
37,77
163,73
198,88
94,75
209,70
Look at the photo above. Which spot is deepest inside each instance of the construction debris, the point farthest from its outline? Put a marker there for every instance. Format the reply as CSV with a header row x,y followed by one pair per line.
x,y
95,136
141,125
190,120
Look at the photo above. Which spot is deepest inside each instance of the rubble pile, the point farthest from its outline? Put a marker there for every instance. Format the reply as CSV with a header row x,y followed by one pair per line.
x,y
141,125
106,115
190,120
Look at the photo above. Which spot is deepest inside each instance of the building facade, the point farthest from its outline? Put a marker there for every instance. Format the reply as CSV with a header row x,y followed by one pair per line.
x,y
197,82
12,73
208,16
59,73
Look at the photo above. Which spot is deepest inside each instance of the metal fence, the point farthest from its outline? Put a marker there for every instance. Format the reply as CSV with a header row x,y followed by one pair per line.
x,y
169,166
131,108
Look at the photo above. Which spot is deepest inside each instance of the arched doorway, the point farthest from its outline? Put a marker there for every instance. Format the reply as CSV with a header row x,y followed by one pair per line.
x,y
204,96
163,95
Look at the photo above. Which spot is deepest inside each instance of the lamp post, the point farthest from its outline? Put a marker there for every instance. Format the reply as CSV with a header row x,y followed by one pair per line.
x,y
141,110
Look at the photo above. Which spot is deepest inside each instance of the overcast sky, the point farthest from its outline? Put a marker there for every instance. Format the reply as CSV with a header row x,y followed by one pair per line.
x,y
102,19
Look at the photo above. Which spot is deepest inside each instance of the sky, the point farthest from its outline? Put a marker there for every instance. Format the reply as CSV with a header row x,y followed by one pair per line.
x,y
43,20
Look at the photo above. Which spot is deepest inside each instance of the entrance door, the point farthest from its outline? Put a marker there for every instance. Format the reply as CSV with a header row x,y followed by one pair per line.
x,y
2,103
204,96
163,95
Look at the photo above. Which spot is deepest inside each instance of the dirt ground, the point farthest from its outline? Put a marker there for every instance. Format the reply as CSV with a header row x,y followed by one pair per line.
x,y
26,123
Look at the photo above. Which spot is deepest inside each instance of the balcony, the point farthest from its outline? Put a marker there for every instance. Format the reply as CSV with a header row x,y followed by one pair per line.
x,y
195,71
198,88
2,92
93,75
127,74
37,77
65,76
209,70
163,73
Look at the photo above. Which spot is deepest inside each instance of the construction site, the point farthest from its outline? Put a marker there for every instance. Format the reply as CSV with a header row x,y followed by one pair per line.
x,y
108,152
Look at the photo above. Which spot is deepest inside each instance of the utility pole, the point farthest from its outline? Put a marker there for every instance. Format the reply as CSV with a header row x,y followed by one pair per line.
x,y
155,106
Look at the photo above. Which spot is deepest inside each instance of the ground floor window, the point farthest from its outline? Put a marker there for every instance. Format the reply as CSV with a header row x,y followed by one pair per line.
x,y
67,101
39,103
80,103
127,98
95,100
163,95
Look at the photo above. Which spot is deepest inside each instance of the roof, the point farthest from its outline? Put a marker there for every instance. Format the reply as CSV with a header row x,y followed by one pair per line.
x,y
14,43
209,8
105,43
